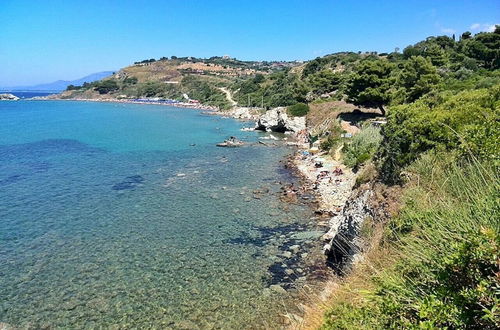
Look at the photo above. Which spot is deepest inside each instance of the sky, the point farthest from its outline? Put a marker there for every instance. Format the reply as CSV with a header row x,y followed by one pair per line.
x,y
44,41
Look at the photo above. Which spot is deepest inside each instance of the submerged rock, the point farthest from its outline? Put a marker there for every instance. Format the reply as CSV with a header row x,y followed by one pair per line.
x,y
287,254
231,142
277,288
308,235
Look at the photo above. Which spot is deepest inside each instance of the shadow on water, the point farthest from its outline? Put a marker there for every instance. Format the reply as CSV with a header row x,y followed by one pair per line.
x,y
46,148
130,182
11,179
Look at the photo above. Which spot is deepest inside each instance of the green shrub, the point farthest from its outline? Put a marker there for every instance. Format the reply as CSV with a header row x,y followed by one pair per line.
x,y
106,86
130,80
362,146
467,123
298,110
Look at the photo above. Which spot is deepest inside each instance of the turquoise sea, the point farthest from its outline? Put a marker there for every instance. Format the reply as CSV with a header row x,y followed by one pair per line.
x,y
128,216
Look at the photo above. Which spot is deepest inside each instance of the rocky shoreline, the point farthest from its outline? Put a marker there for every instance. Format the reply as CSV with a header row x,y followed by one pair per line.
x,y
197,106
324,183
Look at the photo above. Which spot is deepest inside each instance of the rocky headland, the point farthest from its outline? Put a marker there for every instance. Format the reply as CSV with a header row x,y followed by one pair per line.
x,y
8,97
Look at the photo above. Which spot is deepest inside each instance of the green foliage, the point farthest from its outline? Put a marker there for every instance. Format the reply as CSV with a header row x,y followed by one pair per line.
x,y
362,146
279,89
370,84
106,86
467,123
151,60
130,81
151,89
325,81
298,110
418,78
446,243
314,66
485,47
73,88
333,139
204,91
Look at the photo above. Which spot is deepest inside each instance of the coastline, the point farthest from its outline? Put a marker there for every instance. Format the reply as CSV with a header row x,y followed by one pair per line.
x,y
197,106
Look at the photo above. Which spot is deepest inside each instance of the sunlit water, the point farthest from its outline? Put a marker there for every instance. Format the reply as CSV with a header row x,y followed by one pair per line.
x,y
129,216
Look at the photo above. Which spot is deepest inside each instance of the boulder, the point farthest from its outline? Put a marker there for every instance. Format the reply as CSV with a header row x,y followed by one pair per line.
x,y
277,120
277,288
8,97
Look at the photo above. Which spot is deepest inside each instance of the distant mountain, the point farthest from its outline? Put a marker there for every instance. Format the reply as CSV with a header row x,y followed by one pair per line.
x,y
60,85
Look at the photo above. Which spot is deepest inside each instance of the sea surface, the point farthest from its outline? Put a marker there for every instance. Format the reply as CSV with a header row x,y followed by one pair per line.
x,y
129,216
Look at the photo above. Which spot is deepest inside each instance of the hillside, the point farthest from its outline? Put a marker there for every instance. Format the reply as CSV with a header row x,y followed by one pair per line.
x,y
178,79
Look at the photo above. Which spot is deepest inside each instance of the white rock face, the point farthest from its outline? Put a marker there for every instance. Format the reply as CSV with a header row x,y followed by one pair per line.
x,y
241,113
277,120
8,97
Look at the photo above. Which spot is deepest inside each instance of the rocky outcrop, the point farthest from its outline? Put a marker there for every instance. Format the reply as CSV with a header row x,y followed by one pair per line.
x,y
345,242
242,113
277,120
343,238
8,97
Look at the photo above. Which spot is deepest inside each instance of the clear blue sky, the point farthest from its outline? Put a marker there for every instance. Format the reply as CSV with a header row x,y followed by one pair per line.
x,y
43,41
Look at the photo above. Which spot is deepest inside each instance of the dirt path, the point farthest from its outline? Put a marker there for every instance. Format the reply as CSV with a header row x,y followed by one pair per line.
x,y
229,97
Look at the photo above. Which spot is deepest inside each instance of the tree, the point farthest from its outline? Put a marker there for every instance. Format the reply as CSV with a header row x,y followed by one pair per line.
x,y
466,35
485,47
106,86
259,78
418,77
324,81
370,84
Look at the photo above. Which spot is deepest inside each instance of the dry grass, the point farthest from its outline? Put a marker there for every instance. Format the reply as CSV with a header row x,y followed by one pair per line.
x,y
322,116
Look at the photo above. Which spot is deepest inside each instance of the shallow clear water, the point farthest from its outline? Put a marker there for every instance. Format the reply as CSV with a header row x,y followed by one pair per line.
x,y
129,216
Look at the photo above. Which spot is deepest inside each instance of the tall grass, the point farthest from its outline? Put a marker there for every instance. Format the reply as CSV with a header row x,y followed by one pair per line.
x,y
437,265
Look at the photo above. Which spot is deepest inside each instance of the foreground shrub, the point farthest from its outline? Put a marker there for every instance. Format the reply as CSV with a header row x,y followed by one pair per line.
x,y
362,147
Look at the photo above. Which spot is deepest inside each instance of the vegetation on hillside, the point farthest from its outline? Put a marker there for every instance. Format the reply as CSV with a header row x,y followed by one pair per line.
x,y
437,263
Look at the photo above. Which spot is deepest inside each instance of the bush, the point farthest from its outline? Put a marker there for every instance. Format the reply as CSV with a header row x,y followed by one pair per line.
x,y
298,110
130,80
362,147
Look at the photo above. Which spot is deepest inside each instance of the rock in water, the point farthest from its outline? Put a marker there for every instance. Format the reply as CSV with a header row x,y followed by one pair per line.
x,y
8,97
